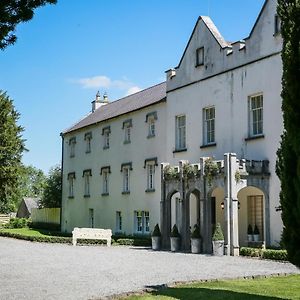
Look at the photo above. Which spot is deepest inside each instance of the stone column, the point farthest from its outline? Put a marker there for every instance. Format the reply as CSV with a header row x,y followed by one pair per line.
x,y
227,204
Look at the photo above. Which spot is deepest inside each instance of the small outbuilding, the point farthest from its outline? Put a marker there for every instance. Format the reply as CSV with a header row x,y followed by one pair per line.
x,y
25,207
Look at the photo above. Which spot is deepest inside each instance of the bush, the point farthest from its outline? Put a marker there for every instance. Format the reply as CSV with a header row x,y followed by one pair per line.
x,y
275,254
133,241
17,223
196,232
156,231
252,252
218,234
175,232
256,230
250,229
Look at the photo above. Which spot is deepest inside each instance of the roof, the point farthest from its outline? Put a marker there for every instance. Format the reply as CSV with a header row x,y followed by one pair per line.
x,y
144,98
31,203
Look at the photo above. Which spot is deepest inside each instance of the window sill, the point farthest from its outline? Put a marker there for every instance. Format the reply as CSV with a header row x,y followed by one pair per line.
x,y
71,156
126,193
150,136
105,194
126,142
86,152
198,65
150,191
208,145
180,150
105,147
87,196
255,137
70,197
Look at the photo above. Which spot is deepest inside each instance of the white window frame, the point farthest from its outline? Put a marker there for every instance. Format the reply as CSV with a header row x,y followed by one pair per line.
x,y
180,132
151,127
91,218
141,222
71,178
200,57
126,179
209,125
105,181
119,220
256,212
150,175
106,136
256,104
87,182
72,143
88,138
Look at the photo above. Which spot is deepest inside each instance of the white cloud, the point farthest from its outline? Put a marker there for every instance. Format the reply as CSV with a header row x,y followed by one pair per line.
x,y
133,90
104,82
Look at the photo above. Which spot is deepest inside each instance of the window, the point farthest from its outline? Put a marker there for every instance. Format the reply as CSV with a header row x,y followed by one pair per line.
x,y
106,135
72,143
256,115
105,182
71,177
209,126
150,119
91,218
255,213
127,131
142,221
277,24
88,138
200,56
118,221
150,176
180,133
126,168
86,175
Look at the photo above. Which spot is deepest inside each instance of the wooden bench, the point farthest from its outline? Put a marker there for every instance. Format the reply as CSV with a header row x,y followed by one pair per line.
x,y
91,234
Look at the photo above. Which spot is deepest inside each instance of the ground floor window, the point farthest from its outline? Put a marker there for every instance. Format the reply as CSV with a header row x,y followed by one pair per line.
x,y
141,222
255,213
91,218
118,221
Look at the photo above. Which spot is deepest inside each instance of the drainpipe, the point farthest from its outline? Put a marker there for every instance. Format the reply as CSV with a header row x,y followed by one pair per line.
x,y
227,203
62,168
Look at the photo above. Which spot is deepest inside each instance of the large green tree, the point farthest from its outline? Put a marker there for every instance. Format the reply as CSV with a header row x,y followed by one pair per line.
x,y
13,12
53,191
288,164
11,150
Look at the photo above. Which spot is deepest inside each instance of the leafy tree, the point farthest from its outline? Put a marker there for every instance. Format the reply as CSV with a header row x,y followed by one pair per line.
x,y
11,150
13,12
53,190
288,162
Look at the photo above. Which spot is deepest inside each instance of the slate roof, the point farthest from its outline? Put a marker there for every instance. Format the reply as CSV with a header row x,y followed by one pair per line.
x,y
31,203
144,98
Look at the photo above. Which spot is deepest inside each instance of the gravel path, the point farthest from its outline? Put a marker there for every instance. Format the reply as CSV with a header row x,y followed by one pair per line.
x,y
54,271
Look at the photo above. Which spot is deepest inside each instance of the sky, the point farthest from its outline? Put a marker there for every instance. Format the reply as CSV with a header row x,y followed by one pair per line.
x,y
69,51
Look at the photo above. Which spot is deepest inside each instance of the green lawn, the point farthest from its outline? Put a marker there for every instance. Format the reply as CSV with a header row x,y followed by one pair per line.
x,y
285,287
33,232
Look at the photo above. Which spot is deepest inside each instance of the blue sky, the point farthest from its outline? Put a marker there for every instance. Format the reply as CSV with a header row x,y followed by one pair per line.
x,y
69,51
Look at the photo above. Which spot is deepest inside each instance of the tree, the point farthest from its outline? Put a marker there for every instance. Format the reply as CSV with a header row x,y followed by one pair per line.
x,y
288,162
13,12
12,147
53,191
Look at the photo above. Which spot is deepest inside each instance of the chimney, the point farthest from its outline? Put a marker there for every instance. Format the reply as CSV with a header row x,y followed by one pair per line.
x,y
97,103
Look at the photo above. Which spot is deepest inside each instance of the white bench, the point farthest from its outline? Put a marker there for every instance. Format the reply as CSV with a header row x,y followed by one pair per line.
x,y
92,234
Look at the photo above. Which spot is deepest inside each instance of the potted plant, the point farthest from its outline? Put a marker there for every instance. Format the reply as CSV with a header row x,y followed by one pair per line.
x,y
175,239
250,233
218,241
196,240
156,238
256,234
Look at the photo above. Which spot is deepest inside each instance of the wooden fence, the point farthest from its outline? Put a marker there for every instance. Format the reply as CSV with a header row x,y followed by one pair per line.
x,y
45,215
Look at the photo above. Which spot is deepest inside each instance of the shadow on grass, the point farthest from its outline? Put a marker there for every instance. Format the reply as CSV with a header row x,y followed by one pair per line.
x,y
52,233
193,293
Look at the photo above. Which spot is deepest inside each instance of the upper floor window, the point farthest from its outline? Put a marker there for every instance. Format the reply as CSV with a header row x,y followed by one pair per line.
x,y
88,138
106,136
141,222
150,165
209,125
125,169
200,56
151,119
71,177
87,176
277,24
119,221
127,131
180,136
105,171
256,115
72,143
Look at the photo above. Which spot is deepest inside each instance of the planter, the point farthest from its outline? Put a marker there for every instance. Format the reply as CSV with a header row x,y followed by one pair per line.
x,y
196,246
255,237
175,244
156,242
250,237
218,248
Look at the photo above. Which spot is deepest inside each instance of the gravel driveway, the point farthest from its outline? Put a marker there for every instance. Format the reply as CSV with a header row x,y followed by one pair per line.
x,y
54,271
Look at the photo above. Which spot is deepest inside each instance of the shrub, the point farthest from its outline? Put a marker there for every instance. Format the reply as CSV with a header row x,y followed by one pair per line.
x,y
156,231
196,232
250,229
252,252
218,234
17,223
175,232
256,230
42,225
275,254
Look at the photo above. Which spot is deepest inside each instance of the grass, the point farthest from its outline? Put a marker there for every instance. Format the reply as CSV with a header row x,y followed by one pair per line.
x,y
282,287
32,232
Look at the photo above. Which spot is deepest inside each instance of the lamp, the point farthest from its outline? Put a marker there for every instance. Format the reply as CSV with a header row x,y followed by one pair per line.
x,y
222,205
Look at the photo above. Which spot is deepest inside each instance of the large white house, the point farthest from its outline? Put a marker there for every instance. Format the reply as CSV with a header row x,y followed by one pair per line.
x,y
221,102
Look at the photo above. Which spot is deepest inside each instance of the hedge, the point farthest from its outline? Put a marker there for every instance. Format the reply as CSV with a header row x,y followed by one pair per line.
x,y
42,225
264,253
